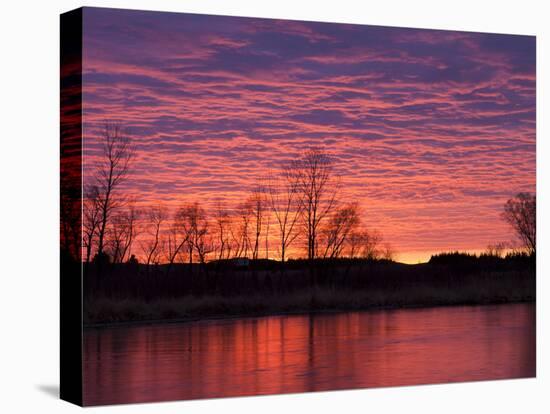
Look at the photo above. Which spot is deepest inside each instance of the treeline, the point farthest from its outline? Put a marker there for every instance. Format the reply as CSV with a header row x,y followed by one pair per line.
x,y
297,209
491,255
488,261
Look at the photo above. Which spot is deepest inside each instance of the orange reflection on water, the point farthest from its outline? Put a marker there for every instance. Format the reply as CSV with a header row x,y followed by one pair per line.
x,y
286,354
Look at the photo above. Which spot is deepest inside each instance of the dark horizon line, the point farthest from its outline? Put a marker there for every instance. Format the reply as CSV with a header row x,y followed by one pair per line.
x,y
305,259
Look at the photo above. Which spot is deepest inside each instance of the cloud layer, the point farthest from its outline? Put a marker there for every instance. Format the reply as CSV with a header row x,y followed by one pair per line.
x,y
431,131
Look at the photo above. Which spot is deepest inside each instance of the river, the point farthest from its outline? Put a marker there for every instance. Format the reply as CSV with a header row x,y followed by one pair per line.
x,y
299,353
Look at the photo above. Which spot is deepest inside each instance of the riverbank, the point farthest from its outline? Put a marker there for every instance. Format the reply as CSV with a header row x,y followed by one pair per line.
x,y
142,294
228,316
105,311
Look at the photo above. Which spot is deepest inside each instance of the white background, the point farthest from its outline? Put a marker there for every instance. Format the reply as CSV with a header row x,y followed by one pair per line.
x,y
29,147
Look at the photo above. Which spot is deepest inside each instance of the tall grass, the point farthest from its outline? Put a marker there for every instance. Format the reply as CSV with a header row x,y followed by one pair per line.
x,y
339,288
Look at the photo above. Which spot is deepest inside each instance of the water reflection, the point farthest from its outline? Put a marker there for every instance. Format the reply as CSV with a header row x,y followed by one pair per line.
x,y
308,353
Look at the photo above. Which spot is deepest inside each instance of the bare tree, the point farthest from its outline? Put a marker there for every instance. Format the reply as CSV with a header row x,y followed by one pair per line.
x,y
194,223
267,226
123,232
521,213
364,244
338,228
175,241
388,253
318,189
151,247
235,234
91,212
130,220
241,235
354,242
285,202
113,170
257,206
371,245
222,222
115,238
203,244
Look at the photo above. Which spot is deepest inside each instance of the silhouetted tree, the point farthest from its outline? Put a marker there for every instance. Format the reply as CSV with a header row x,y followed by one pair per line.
x,y
91,212
284,199
520,213
338,228
194,224
354,243
115,239
364,244
241,235
267,226
152,246
257,206
222,224
117,154
176,239
124,230
318,189
388,252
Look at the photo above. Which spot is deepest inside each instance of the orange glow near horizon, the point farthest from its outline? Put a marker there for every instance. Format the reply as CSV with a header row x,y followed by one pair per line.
x,y
430,131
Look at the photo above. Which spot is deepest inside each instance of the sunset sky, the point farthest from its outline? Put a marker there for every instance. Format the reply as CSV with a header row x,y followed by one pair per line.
x,y
431,131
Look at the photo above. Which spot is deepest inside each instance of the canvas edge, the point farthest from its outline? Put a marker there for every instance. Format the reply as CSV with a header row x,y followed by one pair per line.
x,y
71,335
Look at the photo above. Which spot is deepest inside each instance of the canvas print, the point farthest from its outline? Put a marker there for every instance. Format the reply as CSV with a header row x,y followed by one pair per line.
x,y
259,206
